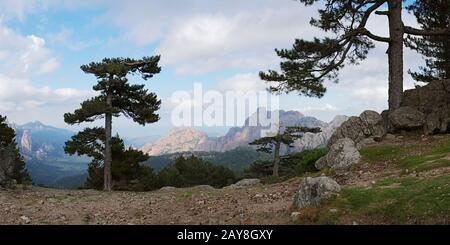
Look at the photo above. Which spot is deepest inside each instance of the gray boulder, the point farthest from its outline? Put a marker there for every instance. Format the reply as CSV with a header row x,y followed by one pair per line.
x,y
406,118
433,100
373,125
342,155
313,190
245,183
369,124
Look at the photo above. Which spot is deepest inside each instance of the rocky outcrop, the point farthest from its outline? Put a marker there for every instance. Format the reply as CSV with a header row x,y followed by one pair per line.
x,y
342,155
25,143
369,125
433,101
313,190
425,108
406,118
311,141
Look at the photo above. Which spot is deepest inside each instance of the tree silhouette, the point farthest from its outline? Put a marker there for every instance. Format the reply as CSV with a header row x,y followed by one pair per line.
x,y
118,97
305,67
272,144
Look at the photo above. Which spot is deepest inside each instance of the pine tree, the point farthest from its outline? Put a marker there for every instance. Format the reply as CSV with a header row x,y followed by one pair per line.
x,y
305,67
127,172
118,96
13,164
435,49
272,144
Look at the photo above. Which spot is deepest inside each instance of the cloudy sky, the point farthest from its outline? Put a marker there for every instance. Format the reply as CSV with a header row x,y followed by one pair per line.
x,y
221,44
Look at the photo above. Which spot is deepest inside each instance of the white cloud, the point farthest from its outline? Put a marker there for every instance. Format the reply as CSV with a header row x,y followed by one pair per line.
x,y
67,39
21,94
199,36
19,9
23,58
322,108
242,82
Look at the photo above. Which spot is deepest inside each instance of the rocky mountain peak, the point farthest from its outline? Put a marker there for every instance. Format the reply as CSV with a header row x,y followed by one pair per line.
x,y
25,142
177,140
190,139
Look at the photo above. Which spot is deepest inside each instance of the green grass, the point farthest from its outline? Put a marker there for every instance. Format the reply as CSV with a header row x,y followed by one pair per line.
x,y
413,155
407,200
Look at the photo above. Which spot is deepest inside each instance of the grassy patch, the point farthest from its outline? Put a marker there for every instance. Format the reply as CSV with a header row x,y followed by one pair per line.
x,y
392,201
412,155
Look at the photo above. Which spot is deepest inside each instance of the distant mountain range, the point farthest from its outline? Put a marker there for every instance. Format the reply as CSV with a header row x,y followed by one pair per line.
x,y
42,147
192,140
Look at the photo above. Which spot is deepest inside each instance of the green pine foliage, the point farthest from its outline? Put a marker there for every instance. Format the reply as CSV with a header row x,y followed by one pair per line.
x,y
435,49
297,164
192,171
127,171
11,153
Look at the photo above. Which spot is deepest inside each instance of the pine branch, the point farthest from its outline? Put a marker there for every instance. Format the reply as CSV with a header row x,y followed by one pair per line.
x,y
419,32
375,37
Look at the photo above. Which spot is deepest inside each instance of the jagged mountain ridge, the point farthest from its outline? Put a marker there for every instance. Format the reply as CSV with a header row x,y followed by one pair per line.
x,y
189,139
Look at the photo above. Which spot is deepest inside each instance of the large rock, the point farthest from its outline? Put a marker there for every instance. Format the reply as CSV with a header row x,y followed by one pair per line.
x,y
313,190
369,124
342,155
406,118
433,100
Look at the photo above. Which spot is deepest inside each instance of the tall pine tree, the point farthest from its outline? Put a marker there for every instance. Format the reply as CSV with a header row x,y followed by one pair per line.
x,y
118,97
305,67
12,164
435,49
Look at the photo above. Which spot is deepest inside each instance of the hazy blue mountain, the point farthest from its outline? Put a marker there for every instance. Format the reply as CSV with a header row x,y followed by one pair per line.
x,y
42,147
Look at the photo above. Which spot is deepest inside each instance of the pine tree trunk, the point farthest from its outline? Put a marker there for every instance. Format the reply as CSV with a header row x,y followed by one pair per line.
x,y
395,54
108,153
276,161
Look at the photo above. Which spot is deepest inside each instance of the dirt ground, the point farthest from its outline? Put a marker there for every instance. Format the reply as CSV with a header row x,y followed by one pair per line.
x,y
262,204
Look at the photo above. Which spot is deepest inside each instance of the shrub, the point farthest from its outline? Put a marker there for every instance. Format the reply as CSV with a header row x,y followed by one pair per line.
x,y
192,171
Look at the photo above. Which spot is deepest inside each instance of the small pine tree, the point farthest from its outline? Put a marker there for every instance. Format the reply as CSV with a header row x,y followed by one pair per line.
x,y
272,144
13,164
435,49
118,96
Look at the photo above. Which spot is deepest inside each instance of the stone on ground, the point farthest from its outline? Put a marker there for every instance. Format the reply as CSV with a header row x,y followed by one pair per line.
x,y
313,190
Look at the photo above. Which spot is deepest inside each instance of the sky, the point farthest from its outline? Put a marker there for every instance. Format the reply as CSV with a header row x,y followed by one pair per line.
x,y
221,44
